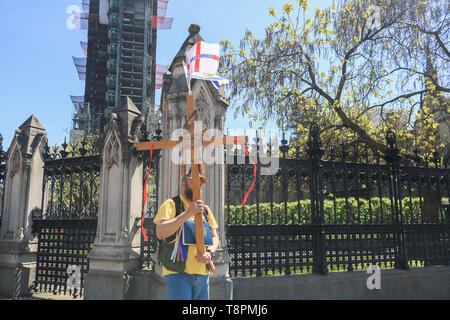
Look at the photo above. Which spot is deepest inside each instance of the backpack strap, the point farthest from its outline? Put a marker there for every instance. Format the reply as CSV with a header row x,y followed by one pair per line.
x,y
178,206
178,210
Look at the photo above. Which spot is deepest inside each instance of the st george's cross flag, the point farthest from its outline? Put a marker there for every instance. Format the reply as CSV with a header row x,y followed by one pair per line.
x,y
202,62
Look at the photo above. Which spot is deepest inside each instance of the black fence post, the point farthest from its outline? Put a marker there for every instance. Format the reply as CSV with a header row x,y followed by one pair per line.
x,y
149,247
393,157
315,153
284,148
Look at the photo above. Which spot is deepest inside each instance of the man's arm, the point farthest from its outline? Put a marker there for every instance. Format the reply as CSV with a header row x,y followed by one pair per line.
x,y
216,242
206,258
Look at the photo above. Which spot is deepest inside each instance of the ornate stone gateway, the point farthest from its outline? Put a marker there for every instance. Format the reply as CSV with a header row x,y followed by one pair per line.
x,y
66,224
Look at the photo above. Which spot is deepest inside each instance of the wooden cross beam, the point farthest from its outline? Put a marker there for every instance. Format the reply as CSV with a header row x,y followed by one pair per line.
x,y
196,163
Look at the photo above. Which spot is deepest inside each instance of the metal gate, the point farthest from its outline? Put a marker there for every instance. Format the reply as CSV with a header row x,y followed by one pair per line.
x,y
338,210
66,223
149,246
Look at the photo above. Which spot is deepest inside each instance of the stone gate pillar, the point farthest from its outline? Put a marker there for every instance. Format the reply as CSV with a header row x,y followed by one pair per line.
x,y
23,193
116,248
211,105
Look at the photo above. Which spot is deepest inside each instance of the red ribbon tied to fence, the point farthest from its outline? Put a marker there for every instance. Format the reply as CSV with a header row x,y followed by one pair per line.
x,y
145,194
236,141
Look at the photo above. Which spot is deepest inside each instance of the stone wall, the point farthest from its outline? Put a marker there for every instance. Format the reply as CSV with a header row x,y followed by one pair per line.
x,y
417,283
431,283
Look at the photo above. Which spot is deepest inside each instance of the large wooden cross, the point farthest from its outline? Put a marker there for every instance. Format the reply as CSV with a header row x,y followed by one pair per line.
x,y
196,163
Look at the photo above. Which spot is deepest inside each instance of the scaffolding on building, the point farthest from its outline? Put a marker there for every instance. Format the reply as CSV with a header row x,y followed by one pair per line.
x,y
119,59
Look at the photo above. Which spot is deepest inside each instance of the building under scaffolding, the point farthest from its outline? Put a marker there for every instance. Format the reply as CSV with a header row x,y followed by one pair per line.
x,y
96,71
82,119
120,62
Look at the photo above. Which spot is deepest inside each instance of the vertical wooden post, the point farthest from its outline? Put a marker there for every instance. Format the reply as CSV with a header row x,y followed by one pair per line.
x,y
196,188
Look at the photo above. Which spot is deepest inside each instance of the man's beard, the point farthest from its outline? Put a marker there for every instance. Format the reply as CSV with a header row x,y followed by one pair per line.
x,y
189,193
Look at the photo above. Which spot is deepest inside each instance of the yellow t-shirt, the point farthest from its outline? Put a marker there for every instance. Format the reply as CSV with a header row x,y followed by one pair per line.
x,y
167,212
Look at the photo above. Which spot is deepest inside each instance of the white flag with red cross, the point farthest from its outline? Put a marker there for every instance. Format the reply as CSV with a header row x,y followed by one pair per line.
x,y
202,62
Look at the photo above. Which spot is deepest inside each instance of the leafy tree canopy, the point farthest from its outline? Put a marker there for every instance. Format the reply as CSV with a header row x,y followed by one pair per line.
x,y
356,68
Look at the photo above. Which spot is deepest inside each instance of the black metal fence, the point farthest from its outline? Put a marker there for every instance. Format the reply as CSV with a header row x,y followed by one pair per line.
x,y
66,223
316,215
149,246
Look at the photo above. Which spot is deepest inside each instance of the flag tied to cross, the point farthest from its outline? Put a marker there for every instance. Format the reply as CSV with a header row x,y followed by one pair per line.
x,y
202,62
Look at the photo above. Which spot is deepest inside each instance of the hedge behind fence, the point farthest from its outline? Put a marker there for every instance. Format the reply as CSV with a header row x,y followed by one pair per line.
x,y
337,211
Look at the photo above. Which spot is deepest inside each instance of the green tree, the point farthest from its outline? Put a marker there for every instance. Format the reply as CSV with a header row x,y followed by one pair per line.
x,y
353,77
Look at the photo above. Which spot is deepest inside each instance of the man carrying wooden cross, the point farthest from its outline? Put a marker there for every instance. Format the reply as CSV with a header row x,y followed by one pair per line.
x,y
186,261
191,282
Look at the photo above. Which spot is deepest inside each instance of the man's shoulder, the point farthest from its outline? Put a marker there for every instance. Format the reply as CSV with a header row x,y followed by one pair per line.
x,y
166,211
168,202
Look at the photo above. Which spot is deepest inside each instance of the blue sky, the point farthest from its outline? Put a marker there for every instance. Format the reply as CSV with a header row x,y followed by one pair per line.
x,y
37,74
